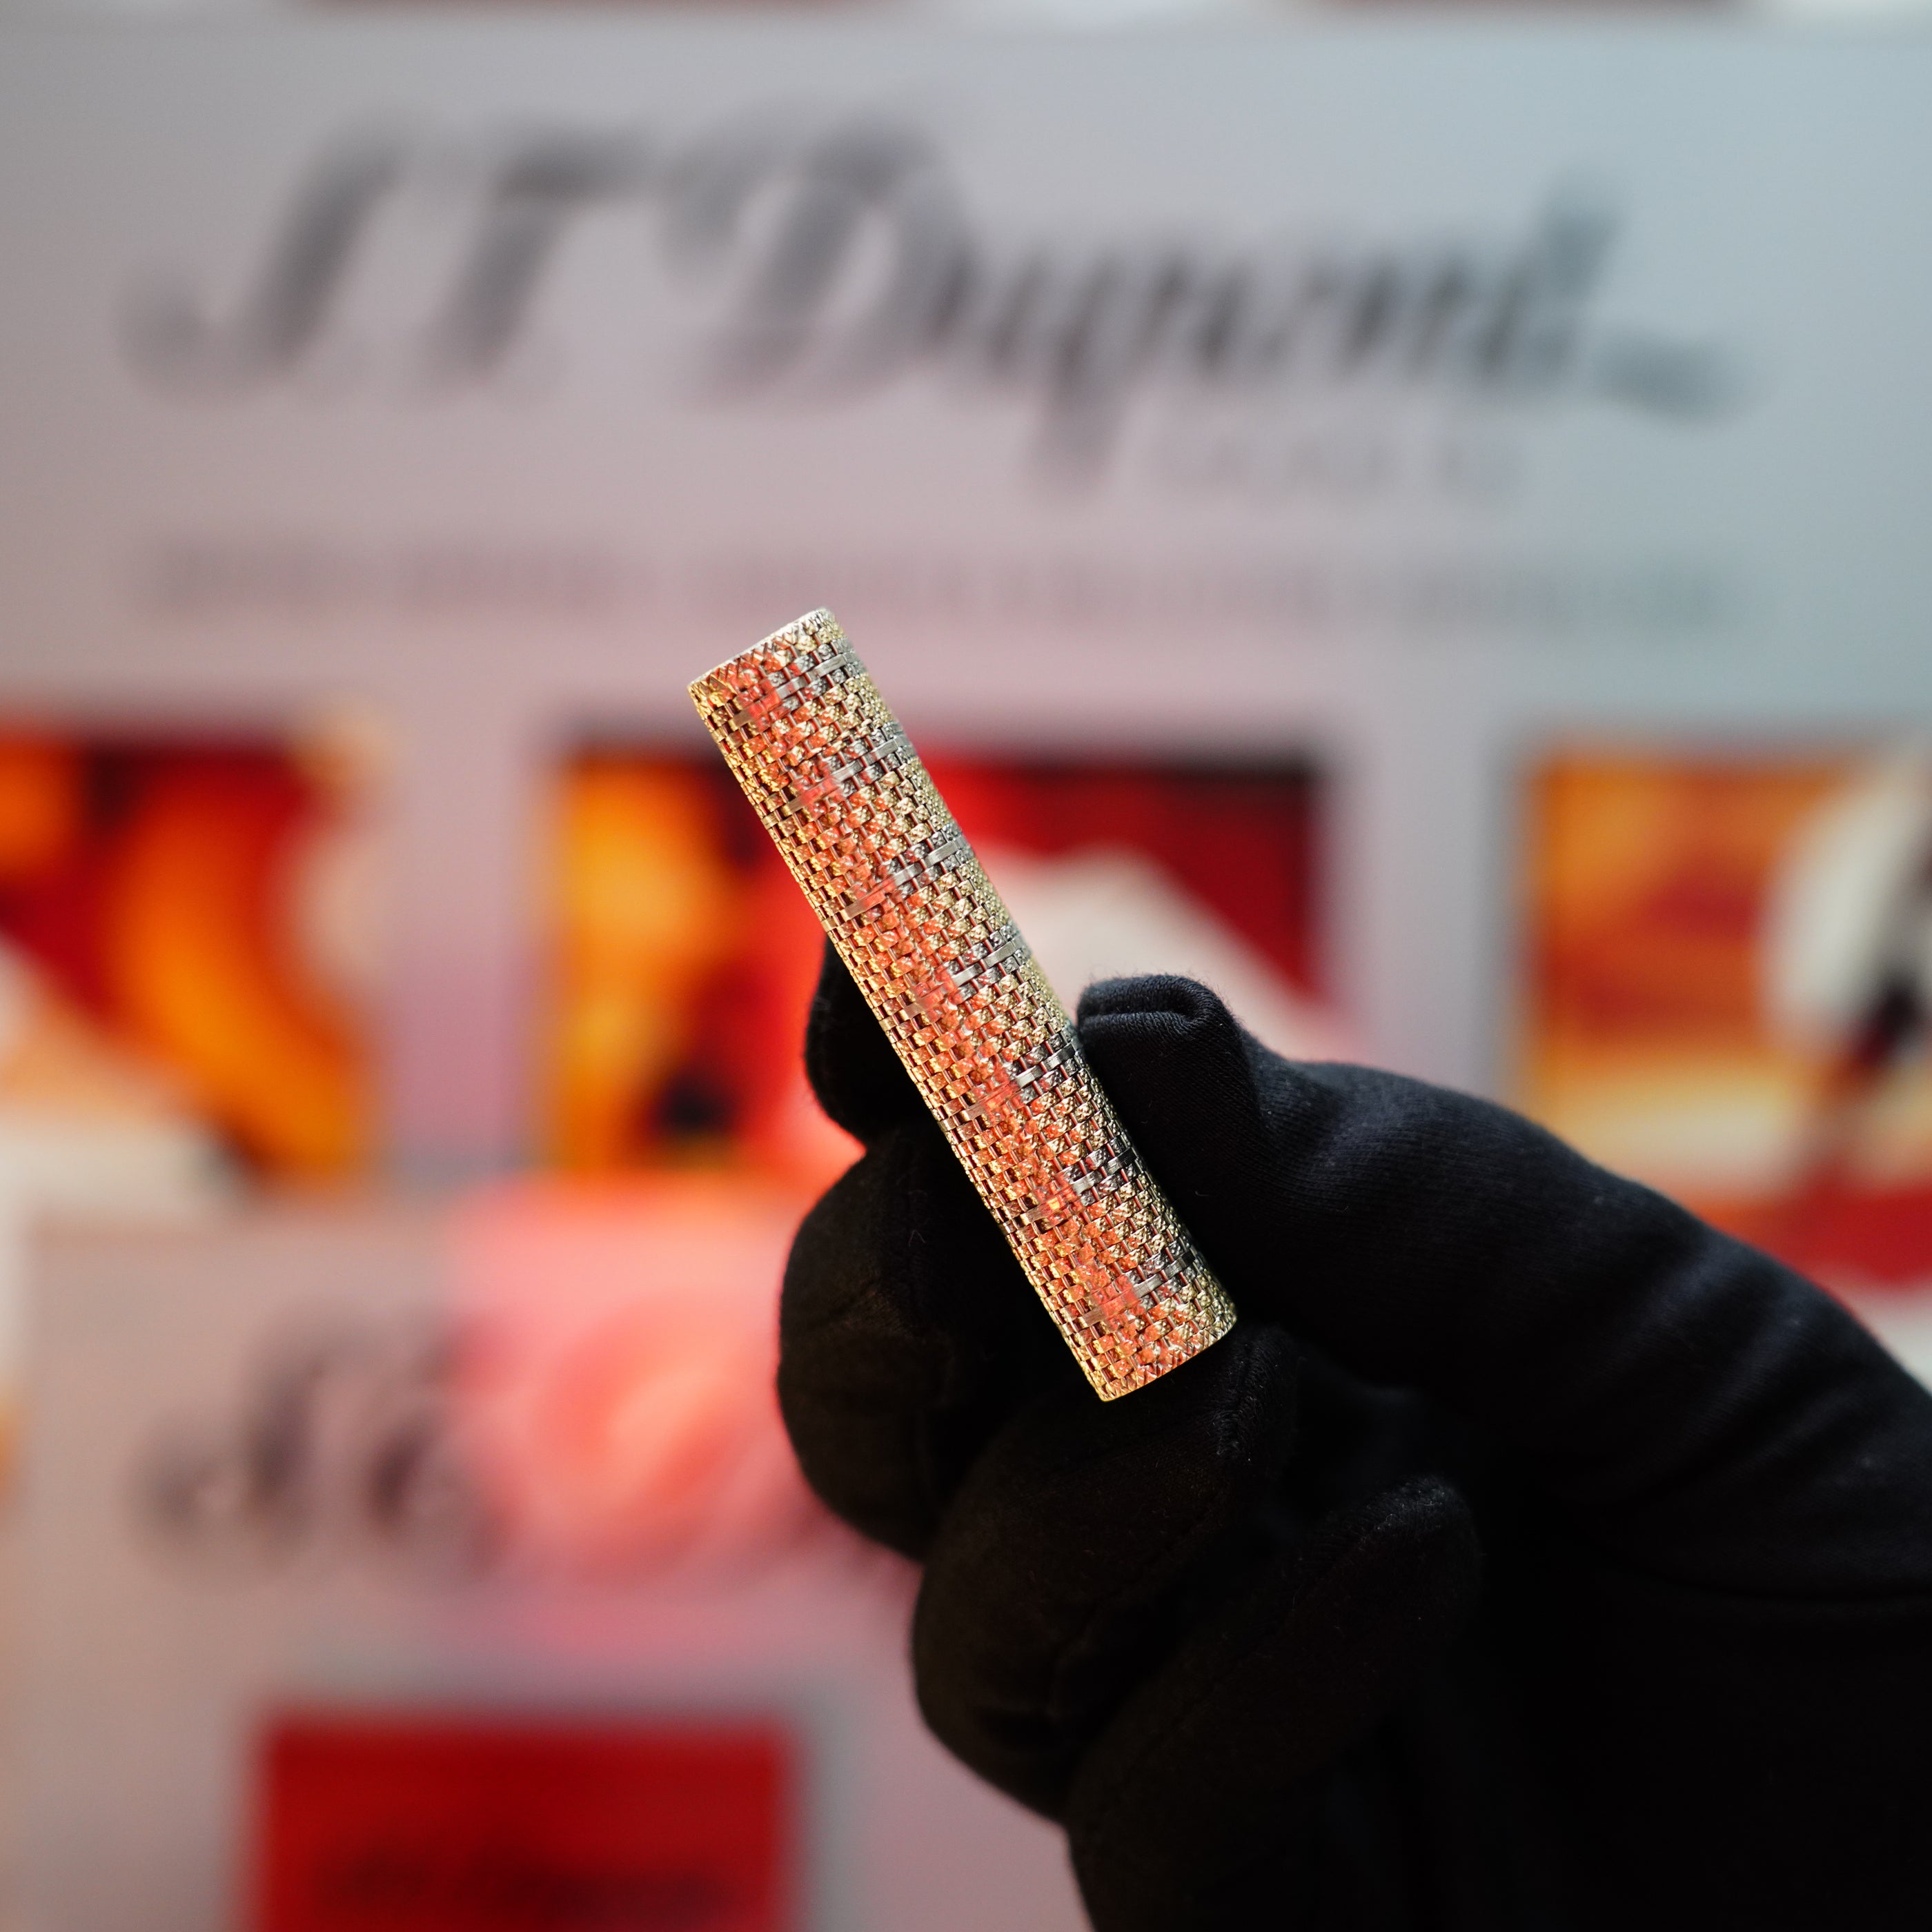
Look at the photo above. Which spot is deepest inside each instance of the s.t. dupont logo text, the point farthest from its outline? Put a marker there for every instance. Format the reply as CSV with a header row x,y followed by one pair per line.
x,y
827,264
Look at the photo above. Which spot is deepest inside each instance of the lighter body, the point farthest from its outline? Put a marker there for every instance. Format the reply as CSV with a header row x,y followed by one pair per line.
x,y
835,781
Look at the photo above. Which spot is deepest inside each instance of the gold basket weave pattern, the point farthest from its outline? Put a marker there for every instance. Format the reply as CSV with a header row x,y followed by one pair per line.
x,y
835,781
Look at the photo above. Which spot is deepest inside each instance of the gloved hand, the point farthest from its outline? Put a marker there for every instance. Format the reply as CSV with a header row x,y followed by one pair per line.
x,y
1530,1554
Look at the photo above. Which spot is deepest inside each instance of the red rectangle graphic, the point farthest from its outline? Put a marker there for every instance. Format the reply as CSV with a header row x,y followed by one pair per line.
x,y
437,1825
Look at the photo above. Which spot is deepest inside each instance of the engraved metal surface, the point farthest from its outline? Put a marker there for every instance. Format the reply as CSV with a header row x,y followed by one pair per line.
x,y
838,785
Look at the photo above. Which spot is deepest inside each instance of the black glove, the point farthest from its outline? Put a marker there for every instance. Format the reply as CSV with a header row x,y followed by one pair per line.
x,y
1530,1554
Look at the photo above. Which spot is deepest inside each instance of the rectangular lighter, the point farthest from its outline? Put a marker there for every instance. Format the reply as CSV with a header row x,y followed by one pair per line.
x,y
838,785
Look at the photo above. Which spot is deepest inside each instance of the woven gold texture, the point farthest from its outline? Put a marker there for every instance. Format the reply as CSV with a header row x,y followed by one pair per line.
x,y
892,878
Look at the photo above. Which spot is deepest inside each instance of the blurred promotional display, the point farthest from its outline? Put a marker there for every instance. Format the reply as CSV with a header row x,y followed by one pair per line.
x,y
193,920
686,955
449,1569
186,972
1728,992
1415,525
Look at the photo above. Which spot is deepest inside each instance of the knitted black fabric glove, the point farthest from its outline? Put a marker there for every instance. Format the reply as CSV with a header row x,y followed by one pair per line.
x,y
1530,1555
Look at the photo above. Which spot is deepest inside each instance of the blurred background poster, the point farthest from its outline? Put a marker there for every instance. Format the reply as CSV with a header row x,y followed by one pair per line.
x,y
1730,956
445,1565
685,955
187,975
192,921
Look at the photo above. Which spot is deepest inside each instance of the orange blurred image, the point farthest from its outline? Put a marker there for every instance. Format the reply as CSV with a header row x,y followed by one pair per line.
x,y
685,956
1724,955
182,920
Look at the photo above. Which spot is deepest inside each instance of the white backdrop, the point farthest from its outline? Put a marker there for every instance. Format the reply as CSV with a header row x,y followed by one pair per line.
x,y
1411,393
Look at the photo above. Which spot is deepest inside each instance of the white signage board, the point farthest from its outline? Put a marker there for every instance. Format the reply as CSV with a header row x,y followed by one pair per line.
x,y
504,1463
1402,391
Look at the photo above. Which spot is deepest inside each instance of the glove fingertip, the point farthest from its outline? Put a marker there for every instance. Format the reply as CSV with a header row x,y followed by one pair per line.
x,y
858,1078
906,1331
1145,995
1176,1064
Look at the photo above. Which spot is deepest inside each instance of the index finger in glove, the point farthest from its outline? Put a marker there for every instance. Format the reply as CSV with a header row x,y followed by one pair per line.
x,y
908,1332
857,1077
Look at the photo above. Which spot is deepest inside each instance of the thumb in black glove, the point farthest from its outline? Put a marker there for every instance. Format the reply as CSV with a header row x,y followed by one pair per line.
x,y
1210,1626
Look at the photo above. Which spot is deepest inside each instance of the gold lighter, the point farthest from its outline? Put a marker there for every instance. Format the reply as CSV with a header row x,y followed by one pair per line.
x,y
838,785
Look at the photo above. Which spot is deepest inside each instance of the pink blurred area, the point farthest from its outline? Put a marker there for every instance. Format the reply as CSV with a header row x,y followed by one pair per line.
x,y
615,1391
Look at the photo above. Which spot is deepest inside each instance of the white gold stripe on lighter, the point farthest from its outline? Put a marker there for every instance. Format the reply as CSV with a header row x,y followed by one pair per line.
x,y
989,1046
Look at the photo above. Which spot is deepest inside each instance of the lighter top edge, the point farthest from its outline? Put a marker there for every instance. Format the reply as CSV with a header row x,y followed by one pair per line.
x,y
815,627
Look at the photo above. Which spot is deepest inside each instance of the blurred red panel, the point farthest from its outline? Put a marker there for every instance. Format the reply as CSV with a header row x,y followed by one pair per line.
x,y
440,1825
684,957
